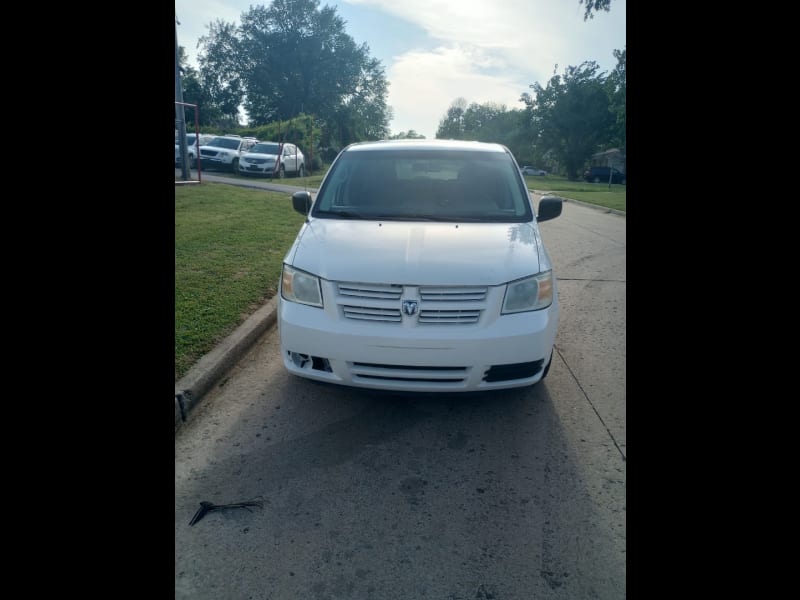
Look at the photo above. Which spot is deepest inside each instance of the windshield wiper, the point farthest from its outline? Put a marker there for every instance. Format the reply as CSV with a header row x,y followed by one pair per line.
x,y
344,214
421,218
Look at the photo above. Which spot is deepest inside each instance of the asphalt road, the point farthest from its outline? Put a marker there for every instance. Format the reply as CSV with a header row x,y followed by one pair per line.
x,y
513,495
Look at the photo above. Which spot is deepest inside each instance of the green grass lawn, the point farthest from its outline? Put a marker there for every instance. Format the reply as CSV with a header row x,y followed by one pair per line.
x,y
229,247
594,193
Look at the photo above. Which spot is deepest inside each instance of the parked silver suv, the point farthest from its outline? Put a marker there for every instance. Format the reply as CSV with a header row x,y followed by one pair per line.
x,y
224,152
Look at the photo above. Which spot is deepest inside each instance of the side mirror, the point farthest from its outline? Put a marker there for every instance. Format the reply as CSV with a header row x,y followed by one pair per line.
x,y
549,208
301,202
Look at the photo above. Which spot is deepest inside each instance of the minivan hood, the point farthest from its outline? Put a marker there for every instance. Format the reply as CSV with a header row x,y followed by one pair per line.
x,y
417,253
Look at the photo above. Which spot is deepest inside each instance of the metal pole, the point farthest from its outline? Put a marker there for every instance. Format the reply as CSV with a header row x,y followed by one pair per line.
x,y
180,114
197,140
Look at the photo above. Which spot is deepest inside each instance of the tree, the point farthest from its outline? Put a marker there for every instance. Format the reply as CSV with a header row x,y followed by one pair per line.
x,y
194,92
407,135
593,6
451,125
570,117
617,101
488,122
219,69
294,57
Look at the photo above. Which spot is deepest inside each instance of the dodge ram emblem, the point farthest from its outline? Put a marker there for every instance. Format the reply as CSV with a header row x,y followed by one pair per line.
x,y
410,307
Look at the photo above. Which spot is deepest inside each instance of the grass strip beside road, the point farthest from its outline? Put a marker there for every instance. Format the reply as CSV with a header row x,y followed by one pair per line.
x,y
307,181
593,193
229,246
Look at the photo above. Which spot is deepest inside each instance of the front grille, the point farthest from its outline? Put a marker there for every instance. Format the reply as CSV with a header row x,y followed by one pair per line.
x,y
367,313
208,153
449,316
452,294
371,291
257,161
437,376
438,305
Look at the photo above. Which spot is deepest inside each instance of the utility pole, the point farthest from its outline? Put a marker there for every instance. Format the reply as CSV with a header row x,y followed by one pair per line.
x,y
180,114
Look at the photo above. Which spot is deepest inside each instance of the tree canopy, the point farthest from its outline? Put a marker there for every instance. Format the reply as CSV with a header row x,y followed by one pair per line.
x,y
488,122
593,6
570,116
293,57
616,92
194,92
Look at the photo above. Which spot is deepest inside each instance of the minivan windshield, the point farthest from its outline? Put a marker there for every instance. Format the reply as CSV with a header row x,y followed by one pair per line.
x,y
424,185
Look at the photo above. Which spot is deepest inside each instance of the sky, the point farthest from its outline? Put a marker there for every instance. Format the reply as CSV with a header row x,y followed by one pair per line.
x,y
434,51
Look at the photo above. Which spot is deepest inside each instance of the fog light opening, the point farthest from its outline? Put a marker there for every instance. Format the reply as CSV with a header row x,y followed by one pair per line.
x,y
298,359
321,364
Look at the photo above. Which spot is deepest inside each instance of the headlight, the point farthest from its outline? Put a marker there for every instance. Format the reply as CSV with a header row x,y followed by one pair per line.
x,y
531,293
299,286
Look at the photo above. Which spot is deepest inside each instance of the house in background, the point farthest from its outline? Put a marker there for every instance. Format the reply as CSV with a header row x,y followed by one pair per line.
x,y
609,158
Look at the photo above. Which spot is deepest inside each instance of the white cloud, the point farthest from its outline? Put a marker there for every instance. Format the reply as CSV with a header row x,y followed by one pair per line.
x,y
483,50
424,84
488,51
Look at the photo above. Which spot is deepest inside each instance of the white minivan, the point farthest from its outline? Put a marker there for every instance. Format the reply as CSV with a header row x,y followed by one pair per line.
x,y
420,268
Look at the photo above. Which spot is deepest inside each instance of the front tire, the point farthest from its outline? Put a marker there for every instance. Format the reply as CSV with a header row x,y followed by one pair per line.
x,y
596,180
282,173
301,171
235,165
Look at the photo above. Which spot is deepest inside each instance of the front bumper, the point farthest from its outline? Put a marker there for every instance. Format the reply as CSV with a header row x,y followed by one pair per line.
x,y
259,169
224,162
510,351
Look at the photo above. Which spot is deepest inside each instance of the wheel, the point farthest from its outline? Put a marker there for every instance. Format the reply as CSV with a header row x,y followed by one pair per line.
x,y
301,171
192,162
282,173
235,165
596,180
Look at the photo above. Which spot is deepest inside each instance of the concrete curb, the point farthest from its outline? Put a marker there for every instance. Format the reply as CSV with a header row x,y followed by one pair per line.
x,y
210,369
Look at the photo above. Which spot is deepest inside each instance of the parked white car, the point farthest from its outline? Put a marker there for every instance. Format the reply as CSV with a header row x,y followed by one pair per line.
x,y
225,151
420,268
527,170
262,158
193,141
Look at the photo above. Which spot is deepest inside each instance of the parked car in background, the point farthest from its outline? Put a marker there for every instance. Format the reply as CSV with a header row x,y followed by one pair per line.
x,y
601,175
192,142
528,170
262,158
225,151
420,268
